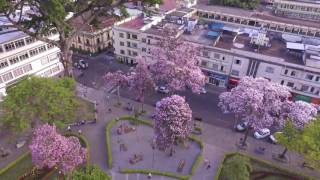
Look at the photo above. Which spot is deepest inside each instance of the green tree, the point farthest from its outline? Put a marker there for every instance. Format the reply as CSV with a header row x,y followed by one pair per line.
x,y
288,138
88,173
50,16
309,143
248,4
236,167
37,100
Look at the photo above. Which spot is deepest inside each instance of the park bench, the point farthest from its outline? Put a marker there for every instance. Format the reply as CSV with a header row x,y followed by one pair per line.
x,y
136,158
181,165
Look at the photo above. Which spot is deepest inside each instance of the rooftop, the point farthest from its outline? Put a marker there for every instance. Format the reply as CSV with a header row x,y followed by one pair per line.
x,y
104,22
263,15
135,23
168,5
158,29
242,42
11,35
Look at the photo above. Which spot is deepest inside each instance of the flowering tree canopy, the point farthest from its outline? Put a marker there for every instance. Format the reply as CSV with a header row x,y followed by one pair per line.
x,y
175,64
173,119
117,78
257,100
140,80
300,113
50,149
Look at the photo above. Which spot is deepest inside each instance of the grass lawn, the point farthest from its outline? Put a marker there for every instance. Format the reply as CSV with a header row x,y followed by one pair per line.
x,y
263,170
23,166
85,110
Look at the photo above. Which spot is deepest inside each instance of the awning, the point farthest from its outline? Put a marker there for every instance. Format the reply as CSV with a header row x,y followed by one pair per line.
x,y
214,34
234,81
302,98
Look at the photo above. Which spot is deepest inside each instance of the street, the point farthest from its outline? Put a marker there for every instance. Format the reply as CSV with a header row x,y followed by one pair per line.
x,y
202,105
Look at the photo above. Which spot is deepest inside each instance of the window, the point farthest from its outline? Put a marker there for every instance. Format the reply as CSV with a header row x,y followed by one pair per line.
x,y
205,53
318,78
304,88
33,52
238,62
27,68
19,43
217,56
42,49
9,46
128,44
55,69
79,39
134,53
121,51
282,82
121,35
269,69
215,67
290,84
24,56
98,40
144,49
3,64
312,89
235,72
18,72
309,76
14,60
87,42
128,36
1,50
144,40
7,77
121,43
204,63
134,36
53,56
49,46
223,58
134,45
221,68
286,71
44,61
293,73
30,40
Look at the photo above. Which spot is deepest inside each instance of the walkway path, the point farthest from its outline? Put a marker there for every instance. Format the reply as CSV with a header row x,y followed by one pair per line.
x,y
218,141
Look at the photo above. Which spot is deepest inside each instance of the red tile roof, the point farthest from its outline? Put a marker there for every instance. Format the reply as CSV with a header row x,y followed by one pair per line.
x,y
168,5
136,23
104,22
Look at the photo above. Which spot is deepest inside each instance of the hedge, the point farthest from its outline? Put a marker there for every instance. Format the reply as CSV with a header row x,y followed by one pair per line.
x,y
155,172
13,163
226,156
146,171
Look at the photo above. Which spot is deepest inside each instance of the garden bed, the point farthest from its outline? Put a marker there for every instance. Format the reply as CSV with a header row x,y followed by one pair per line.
x,y
85,110
189,171
262,170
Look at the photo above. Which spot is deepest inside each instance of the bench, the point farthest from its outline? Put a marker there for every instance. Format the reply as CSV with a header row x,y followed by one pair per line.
x,y
136,158
181,165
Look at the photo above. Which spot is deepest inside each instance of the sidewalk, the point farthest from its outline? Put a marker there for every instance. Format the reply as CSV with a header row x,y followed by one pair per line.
x,y
218,141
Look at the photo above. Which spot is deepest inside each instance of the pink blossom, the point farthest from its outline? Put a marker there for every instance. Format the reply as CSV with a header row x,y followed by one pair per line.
x,y
173,119
50,149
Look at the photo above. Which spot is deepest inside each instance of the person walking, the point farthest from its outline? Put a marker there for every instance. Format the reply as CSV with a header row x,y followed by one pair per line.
x,y
149,176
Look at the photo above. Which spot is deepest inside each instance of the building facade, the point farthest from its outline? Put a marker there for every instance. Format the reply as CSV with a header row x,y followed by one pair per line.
x,y
21,55
297,9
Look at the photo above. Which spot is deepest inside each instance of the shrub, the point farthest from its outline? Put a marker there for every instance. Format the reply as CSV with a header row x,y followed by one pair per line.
x,y
156,172
236,167
14,163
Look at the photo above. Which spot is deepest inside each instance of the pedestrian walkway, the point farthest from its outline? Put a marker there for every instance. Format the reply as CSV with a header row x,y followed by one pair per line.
x,y
218,141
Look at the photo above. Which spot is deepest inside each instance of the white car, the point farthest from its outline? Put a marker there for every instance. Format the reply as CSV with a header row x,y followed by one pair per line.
x,y
203,91
81,64
262,133
242,126
162,89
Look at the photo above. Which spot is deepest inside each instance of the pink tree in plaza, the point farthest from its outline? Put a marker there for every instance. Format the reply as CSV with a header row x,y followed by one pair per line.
x,y
172,120
117,79
257,100
50,149
175,64
141,81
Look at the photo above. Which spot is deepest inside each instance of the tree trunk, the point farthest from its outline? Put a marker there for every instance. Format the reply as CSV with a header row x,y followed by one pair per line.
x,y
118,94
236,117
244,142
66,57
283,154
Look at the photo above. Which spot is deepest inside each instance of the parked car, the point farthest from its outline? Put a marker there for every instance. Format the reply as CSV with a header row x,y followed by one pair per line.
x,y
81,64
273,139
242,126
162,89
262,133
203,91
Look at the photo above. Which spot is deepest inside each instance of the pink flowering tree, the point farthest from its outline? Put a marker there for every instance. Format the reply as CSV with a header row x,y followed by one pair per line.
x,y
257,100
52,150
141,81
175,64
117,79
172,121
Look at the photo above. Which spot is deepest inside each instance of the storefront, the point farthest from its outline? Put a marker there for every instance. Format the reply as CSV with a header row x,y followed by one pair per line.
x,y
216,79
299,97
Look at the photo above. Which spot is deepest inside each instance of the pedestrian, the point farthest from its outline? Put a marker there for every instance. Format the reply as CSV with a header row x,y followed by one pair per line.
x,y
79,131
109,110
206,162
149,176
209,165
69,128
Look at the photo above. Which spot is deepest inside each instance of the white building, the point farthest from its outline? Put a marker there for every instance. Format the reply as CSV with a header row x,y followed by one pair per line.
x,y
21,55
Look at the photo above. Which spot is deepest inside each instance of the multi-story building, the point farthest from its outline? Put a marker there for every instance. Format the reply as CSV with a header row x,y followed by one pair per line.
x,y
309,10
22,55
94,37
230,51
